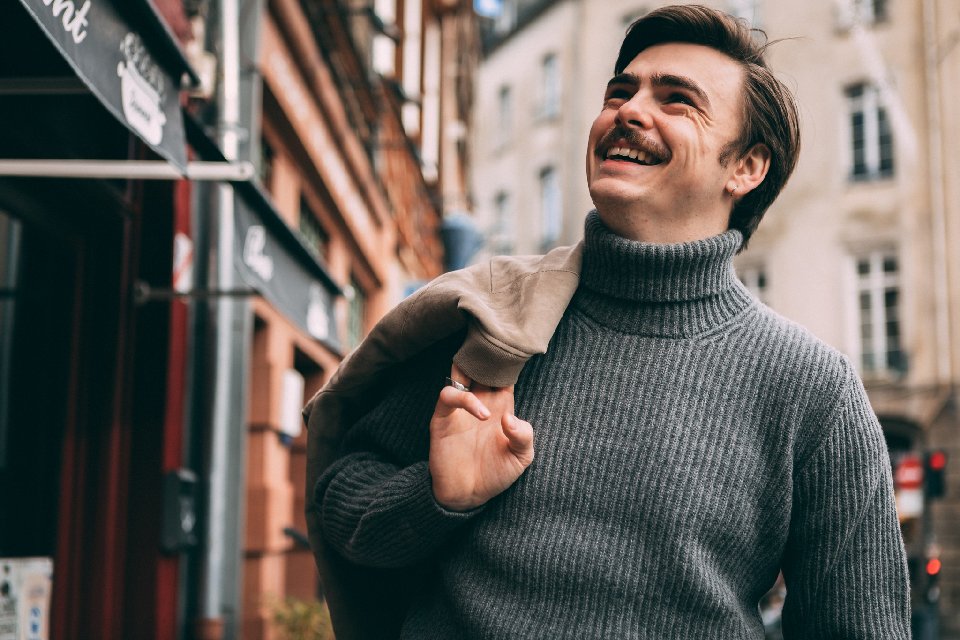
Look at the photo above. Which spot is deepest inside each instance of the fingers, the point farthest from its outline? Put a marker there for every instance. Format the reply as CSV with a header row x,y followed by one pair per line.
x,y
452,399
458,375
520,436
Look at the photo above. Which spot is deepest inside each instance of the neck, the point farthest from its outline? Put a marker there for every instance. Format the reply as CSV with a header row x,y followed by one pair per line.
x,y
675,289
664,227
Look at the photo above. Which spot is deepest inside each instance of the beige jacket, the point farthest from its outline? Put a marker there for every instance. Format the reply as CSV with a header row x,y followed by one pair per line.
x,y
510,308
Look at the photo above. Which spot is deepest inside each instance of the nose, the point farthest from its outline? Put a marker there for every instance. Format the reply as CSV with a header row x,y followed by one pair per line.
x,y
636,111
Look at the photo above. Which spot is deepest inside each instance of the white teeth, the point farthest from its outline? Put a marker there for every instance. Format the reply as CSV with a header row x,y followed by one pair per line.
x,y
634,154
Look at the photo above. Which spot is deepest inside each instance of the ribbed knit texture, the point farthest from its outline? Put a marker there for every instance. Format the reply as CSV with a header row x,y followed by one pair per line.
x,y
689,443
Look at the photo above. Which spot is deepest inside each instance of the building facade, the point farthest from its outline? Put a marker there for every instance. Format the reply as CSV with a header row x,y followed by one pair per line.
x,y
204,205
862,246
360,146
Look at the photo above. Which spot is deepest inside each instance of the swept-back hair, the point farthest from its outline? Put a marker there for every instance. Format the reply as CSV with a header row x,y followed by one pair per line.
x,y
770,112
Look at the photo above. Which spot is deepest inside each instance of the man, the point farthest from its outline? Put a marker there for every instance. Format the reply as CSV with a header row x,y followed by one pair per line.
x,y
690,444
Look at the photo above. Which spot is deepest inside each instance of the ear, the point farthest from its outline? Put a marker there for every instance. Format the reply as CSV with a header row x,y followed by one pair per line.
x,y
750,170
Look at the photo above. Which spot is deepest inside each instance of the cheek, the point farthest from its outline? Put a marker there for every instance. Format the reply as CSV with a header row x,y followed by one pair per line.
x,y
601,124
596,131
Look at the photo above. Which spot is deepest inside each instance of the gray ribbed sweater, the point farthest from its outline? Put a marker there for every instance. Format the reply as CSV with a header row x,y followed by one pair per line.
x,y
689,444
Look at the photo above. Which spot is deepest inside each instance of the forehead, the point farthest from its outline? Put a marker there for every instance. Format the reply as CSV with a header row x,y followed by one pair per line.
x,y
719,75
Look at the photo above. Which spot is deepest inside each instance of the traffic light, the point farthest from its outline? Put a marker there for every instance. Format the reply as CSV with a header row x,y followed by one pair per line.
x,y
933,579
935,481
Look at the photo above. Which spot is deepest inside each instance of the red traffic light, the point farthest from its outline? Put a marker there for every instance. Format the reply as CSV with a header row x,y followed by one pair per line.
x,y
937,460
933,566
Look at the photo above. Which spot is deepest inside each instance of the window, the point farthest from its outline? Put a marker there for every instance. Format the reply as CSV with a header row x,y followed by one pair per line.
x,y
356,314
550,209
871,138
749,10
504,115
755,279
266,162
11,275
628,19
501,233
878,312
861,12
384,48
550,87
312,231
506,19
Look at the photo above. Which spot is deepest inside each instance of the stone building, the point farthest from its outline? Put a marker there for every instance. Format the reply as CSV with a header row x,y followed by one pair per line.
x,y
862,247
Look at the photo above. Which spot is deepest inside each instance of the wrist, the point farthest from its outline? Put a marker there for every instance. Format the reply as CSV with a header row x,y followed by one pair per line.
x,y
455,504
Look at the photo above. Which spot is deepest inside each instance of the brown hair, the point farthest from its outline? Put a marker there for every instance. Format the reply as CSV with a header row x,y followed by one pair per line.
x,y
770,112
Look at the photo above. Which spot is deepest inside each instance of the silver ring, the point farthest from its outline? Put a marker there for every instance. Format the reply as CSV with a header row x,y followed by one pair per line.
x,y
459,386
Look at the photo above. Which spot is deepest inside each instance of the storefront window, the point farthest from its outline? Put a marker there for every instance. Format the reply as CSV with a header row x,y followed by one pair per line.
x,y
10,233
357,314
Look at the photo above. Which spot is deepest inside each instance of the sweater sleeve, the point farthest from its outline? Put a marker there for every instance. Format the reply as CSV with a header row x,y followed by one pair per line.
x,y
845,565
376,502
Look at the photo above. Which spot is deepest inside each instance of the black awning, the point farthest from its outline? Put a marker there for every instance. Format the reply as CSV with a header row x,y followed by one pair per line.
x,y
290,282
271,258
128,61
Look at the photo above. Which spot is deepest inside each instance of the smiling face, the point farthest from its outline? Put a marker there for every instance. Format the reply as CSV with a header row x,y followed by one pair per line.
x,y
654,166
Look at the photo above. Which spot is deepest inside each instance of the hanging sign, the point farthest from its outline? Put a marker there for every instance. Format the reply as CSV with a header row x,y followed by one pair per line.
x,y
115,62
266,263
908,482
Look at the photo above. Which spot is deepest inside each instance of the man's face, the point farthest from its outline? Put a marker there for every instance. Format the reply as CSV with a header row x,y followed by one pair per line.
x,y
653,155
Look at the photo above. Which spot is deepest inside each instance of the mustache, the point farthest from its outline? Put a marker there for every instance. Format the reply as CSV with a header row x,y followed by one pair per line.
x,y
634,138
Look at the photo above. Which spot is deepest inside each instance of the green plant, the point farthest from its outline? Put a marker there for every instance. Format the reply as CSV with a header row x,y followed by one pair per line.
x,y
298,619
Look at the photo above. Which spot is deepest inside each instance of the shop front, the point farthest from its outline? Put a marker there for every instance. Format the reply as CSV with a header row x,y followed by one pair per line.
x,y
101,276
84,411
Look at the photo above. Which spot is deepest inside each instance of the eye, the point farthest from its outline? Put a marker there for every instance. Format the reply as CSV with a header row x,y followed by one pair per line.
x,y
680,98
616,96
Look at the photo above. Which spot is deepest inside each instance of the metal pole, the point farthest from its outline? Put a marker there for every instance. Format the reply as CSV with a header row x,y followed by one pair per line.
x,y
221,598
127,170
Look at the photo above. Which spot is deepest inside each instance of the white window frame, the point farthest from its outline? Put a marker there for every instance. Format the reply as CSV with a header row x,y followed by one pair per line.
x,y
551,207
628,19
504,114
384,52
357,309
861,12
501,232
550,89
875,283
749,10
755,278
869,105
507,20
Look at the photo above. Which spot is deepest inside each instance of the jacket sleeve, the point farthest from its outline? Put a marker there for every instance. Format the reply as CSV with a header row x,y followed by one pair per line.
x,y
845,566
376,502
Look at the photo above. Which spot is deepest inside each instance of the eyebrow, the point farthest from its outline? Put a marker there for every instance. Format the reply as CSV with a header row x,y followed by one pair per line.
x,y
624,78
662,80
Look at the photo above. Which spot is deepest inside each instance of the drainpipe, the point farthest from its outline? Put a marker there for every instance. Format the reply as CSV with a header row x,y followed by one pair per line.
x,y
575,145
220,597
937,204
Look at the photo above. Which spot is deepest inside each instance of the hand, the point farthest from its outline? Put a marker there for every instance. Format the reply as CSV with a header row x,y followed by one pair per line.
x,y
478,447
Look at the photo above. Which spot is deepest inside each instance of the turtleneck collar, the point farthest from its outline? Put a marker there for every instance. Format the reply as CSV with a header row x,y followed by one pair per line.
x,y
673,290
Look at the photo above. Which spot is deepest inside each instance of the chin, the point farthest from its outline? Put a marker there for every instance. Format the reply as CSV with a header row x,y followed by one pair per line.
x,y
616,196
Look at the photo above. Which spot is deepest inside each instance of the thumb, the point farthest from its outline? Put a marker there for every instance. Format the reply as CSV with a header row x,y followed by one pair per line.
x,y
520,436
